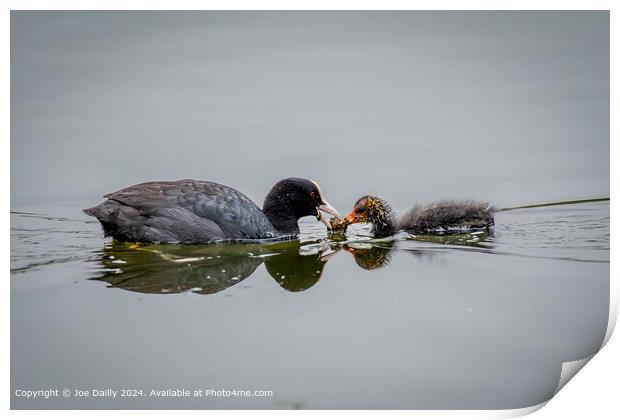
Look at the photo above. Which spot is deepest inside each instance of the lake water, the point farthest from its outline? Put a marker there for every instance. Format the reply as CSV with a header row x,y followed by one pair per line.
x,y
509,107
477,322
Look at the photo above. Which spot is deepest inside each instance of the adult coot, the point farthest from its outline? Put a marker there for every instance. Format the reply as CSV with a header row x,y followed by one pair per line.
x,y
189,211
438,218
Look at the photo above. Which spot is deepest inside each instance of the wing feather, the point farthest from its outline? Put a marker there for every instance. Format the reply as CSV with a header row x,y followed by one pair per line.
x,y
189,208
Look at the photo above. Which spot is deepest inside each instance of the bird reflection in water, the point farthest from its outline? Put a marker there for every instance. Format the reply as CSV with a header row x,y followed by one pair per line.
x,y
376,254
207,269
371,257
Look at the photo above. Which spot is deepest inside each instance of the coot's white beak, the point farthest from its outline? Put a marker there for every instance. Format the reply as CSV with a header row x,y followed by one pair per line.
x,y
328,208
324,220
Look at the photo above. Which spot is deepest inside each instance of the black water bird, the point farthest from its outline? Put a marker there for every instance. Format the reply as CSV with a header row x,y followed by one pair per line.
x,y
193,212
442,217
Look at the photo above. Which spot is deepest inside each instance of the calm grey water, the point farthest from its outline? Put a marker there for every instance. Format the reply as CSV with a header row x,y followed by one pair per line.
x,y
510,107
479,322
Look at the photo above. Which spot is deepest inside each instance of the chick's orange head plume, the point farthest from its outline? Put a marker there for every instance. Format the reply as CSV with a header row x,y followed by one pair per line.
x,y
359,212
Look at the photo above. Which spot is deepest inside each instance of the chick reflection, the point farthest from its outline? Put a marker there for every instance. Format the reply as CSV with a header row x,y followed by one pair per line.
x,y
209,269
371,257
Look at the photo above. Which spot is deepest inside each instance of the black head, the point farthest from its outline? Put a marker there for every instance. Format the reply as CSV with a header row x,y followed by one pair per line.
x,y
293,198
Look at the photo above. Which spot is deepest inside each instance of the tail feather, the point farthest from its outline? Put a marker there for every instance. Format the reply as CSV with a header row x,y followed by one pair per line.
x,y
106,213
91,211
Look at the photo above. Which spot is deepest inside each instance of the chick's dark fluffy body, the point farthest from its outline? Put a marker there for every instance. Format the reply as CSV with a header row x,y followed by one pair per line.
x,y
448,216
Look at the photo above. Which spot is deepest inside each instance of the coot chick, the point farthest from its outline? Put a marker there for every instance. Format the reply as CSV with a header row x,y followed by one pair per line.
x,y
438,218
193,212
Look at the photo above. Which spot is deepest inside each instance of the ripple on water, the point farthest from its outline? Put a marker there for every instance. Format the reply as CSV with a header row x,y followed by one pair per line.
x,y
574,232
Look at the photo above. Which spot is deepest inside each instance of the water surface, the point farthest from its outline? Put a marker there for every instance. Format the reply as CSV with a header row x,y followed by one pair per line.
x,y
458,321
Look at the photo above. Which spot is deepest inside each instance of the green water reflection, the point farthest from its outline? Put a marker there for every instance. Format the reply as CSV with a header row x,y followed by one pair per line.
x,y
208,269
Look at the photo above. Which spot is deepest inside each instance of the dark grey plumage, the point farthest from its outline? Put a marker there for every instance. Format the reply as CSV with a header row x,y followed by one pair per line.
x,y
189,211
447,216
437,218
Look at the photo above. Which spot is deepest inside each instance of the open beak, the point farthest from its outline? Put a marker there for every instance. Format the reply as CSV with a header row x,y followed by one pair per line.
x,y
328,208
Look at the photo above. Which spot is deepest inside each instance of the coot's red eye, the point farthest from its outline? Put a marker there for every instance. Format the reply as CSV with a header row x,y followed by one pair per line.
x,y
312,194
